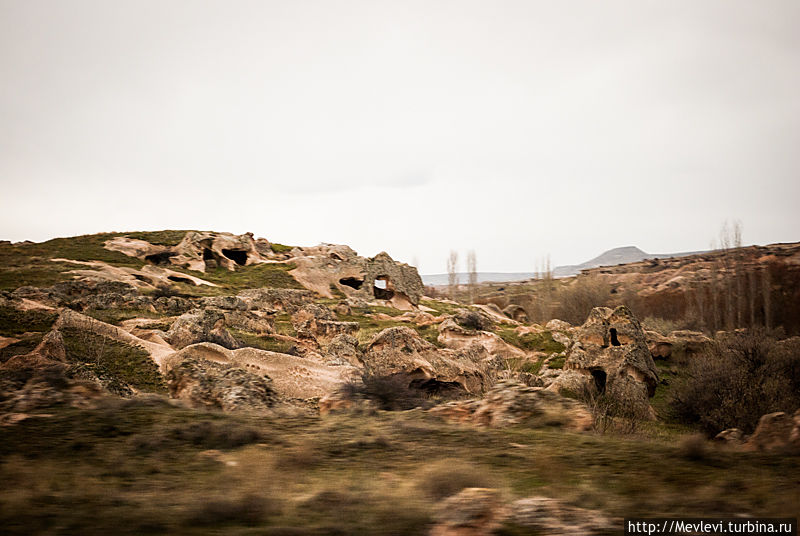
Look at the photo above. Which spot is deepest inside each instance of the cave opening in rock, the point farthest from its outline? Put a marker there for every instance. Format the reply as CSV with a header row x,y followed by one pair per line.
x,y
159,258
382,288
614,339
208,255
599,380
236,255
179,279
352,282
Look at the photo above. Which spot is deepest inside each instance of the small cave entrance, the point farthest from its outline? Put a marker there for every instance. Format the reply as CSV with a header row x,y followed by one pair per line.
x,y
382,288
179,279
159,258
352,282
614,339
599,380
236,255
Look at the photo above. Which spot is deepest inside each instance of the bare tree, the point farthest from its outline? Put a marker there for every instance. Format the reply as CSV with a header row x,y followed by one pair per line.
x,y
472,270
452,273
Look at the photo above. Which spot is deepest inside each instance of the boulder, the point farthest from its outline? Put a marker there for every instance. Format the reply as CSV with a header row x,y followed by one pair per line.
x,y
611,347
470,512
317,322
288,300
777,431
693,341
343,349
558,325
400,350
452,335
209,384
200,325
329,266
511,403
731,436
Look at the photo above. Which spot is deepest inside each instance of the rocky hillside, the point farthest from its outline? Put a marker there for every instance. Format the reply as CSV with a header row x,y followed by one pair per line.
x,y
303,377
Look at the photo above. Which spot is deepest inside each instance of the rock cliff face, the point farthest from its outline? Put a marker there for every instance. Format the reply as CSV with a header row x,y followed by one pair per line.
x,y
377,278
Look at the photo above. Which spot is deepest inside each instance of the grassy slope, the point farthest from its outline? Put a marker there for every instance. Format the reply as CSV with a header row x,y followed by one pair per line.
x,y
142,466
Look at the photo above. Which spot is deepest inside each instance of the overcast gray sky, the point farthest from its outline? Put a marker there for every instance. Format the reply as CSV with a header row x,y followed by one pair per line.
x,y
516,129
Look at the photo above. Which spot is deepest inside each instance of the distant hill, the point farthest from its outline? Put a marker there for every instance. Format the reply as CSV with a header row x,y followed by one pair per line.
x,y
612,257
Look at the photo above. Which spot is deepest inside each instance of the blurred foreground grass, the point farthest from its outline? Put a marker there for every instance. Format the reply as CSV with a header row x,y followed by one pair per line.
x,y
145,466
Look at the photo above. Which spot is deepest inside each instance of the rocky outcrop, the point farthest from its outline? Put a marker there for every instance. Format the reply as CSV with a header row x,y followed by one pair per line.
x,y
452,335
200,325
209,384
779,432
511,403
197,251
516,312
470,512
544,515
610,351
317,322
694,342
660,346
330,266
400,350
287,300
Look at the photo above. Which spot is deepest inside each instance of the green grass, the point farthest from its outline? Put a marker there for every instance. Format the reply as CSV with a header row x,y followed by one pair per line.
x,y
524,365
280,248
159,238
442,308
138,467
539,342
116,316
117,363
262,342
268,275
557,362
15,322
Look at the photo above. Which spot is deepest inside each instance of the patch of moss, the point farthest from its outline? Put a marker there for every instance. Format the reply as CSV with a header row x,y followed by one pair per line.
x,y
442,308
115,316
336,292
557,362
266,275
159,238
113,360
15,322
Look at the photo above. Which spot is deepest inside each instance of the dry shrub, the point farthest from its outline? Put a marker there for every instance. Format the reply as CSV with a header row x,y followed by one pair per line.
x,y
390,392
248,509
611,412
693,448
447,477
738,379
577,300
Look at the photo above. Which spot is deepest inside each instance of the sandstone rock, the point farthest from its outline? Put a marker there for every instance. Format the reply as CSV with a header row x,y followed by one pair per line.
x,y
379,277
314,321
777,431
611,347
550,516
197,251
454,336
288,300
400,350
471,512
659,345
558,325
511,403
731,436
200,325
209,384
694,341
52,346
260,322
343,349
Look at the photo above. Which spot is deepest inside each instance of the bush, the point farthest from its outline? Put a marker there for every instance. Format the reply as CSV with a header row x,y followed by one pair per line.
x,y
611,412
390,392
444,478
738,379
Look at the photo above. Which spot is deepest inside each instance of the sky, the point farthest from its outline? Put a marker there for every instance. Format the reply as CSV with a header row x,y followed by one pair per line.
x,y
517,129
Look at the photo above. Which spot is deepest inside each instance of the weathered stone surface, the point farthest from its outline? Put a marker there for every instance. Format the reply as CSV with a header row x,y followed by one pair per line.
x,y
317,322
552,517
200,325
197,251
332,266
210,384
454,336
659,345
558,325
694,341
343,349
288,300
611,347
470,512
400,350
511,403
731,436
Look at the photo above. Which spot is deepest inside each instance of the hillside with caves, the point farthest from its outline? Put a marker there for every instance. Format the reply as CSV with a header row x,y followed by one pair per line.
x,y
198,382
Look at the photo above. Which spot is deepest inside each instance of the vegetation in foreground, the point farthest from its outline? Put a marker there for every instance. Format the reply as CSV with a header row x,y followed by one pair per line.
x,y
149,466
